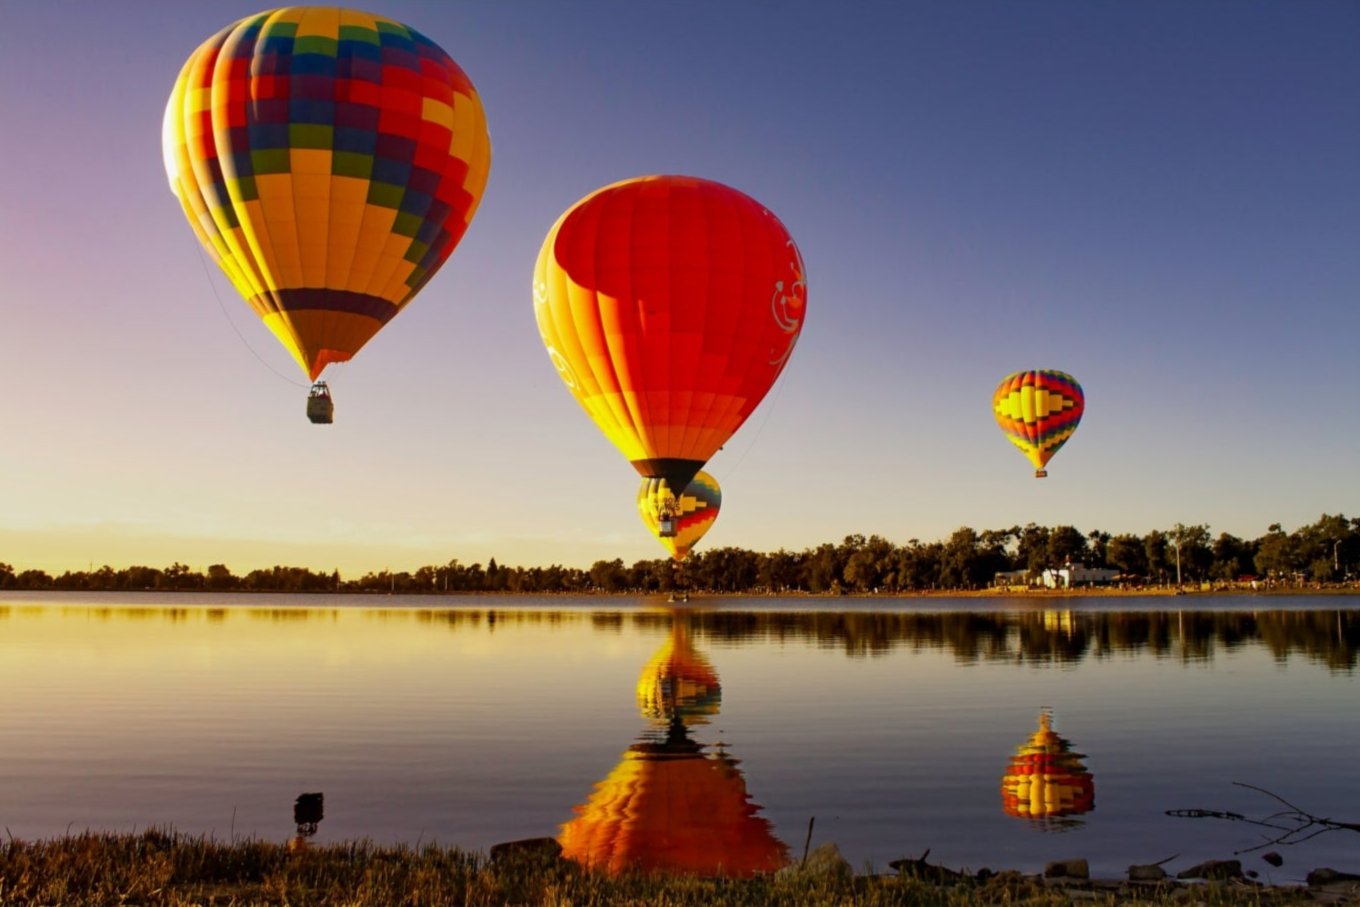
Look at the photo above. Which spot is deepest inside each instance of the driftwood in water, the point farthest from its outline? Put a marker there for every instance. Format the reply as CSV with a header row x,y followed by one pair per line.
x,y
918,868
1294,824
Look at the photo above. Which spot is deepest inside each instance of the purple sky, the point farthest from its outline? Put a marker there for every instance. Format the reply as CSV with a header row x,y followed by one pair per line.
x,y
1161,198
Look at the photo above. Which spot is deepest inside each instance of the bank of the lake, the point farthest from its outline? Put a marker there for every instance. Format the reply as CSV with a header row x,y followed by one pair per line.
x,y
160,869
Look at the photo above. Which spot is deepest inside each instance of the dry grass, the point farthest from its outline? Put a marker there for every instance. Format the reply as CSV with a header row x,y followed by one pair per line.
x,y
164,869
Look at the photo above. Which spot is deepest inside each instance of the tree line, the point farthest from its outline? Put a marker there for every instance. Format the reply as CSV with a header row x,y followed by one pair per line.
x,y
1327,551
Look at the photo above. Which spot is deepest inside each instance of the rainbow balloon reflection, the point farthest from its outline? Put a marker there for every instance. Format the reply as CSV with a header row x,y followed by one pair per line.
x,y
1046,781
679,683
670,806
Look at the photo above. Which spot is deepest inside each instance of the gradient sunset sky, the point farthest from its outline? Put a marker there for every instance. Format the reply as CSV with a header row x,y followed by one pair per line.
x,y
1161,198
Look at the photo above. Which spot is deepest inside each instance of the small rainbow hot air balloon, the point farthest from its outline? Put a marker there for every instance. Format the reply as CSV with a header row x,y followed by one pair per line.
x,y
679,522
329,160
1045,780
669,305
1038,410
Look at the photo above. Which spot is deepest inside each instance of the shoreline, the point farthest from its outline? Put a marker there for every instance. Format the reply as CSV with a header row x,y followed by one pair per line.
x,y
168,869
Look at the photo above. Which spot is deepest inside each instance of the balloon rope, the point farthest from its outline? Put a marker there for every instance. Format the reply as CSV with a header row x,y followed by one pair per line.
x,y
202,260
779,389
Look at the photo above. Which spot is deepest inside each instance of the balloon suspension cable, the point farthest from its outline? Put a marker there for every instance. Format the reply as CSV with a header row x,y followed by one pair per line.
x,y
779,389
202,260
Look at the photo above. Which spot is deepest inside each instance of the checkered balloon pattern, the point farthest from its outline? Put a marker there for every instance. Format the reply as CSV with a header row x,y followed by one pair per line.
x,y
330,161
1038,411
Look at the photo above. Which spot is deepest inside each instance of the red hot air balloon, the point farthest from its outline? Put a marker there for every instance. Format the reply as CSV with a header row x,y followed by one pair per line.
x,y
669,305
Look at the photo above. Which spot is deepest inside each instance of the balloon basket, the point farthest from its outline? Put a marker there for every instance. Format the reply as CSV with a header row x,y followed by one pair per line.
x,y
320,406
1040,473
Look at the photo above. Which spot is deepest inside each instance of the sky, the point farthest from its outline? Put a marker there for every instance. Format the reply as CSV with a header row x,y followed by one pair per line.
x,y
1160,198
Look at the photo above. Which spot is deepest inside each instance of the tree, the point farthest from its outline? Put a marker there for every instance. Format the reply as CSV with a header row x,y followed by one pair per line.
x,y
220,579
1154,549
608,576
870,565
919,566
1066,545
960,565
1032,549
1191,544
821,570
1099,544
1232,558
1275,554
779,571
1127,554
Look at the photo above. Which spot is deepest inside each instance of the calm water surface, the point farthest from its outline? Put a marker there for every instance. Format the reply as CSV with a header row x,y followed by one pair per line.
x,y
901,725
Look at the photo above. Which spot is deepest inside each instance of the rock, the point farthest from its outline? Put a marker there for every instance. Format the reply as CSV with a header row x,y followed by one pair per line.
x,y
824,863
1330,876
1213,869
1067,869
1150,872
918,868
545,849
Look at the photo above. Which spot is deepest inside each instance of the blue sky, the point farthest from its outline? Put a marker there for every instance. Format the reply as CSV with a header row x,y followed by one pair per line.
x,y
1160,198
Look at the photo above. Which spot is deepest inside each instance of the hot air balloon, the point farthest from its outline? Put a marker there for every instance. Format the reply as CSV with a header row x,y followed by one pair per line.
x,y
1038,410
679,522
1045,780
669,305
329,160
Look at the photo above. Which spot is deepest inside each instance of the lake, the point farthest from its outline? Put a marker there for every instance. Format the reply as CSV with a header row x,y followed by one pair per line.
x,y
999,732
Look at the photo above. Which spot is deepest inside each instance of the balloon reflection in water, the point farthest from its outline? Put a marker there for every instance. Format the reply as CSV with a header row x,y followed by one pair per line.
x,y
679,683
668,805
1045,780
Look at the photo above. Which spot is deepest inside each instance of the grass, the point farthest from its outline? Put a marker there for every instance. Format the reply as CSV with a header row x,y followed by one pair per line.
x,y
166,869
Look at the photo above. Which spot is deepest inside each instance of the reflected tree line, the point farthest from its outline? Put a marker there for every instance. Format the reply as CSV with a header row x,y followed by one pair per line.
x,y
1330,638
1324,552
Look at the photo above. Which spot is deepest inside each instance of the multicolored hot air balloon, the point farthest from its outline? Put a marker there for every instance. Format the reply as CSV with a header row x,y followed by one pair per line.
x,y
669,305
1038,410
679,522
329,160
1045,780
679,683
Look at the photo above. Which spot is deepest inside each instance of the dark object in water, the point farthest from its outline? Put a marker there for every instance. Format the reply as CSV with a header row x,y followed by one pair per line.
x,y
544,850
308,811
320,406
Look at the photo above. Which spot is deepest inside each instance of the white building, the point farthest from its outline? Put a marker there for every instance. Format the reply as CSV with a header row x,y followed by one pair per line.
x,y
1078,575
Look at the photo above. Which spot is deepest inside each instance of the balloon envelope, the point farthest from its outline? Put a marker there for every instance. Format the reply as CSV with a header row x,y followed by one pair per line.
x,y
1038,411
669,305
691,514
329,160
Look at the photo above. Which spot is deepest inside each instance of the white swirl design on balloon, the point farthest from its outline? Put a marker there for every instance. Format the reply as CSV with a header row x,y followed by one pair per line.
x,y
563,368
788,307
